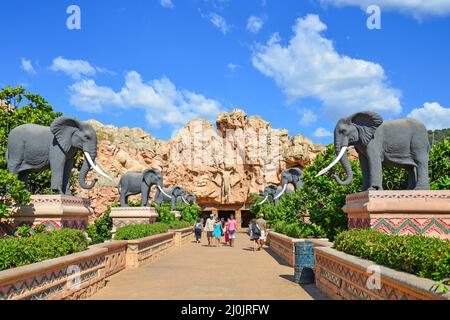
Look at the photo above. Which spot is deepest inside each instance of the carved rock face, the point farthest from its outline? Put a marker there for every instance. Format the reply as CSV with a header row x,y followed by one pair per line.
x,y
219,165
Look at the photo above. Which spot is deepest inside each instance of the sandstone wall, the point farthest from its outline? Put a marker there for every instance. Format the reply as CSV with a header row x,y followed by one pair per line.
x,y
220,164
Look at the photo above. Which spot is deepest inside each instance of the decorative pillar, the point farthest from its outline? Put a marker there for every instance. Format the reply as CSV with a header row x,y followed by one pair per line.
x,y
55,212
127,216
424,212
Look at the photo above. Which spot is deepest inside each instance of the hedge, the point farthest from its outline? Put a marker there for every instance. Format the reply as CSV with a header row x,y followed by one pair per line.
x,y
299,230
419,255
16,252
174,225
139,231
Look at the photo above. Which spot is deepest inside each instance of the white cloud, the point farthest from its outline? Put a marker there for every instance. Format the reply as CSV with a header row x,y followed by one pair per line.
x,y
167,3
161,101
75,68
322,133
309,66
433,115
307,117
254,24
416,8
232,66
219,22
27,66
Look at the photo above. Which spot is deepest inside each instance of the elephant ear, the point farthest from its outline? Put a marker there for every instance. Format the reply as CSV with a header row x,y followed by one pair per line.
x,y
366,123
63,128
295,171
147,173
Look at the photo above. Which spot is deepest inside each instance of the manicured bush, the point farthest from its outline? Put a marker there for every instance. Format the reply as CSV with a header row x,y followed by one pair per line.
x,y
101,230
419,255
164,213
299,230
189,213
175,225
16,252
139,231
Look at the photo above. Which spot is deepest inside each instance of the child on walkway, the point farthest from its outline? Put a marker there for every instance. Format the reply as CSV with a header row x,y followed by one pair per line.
x,y
198,228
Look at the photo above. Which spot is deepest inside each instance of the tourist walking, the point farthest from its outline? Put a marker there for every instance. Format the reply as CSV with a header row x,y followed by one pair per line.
x,y
198,228
254,233
218,232
232,229
227,232
209,228
262,227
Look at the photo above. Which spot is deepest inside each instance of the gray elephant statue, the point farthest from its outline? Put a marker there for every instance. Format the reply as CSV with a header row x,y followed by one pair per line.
x,y
34,148
274,192
133,183
191,199
402,143
289,176
173,195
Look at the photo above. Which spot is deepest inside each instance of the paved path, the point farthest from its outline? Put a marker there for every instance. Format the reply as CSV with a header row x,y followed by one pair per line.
x,y
198,272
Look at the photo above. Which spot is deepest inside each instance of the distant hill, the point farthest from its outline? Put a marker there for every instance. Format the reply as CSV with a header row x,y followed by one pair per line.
x,y
438,135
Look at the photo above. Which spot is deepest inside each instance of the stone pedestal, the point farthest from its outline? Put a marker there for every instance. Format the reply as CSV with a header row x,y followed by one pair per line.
x,y
55,212
401,212
177,214
126,216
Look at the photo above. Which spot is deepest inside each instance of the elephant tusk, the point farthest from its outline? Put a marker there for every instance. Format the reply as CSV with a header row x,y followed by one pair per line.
x,y
281,193
264,201
163,192
95,166
185,201
335,161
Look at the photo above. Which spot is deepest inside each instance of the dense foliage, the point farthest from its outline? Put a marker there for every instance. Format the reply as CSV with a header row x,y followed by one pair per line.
x,y
139,231
438,136
100,231
440,166
16,252
419,255
175,225
190,213
299,230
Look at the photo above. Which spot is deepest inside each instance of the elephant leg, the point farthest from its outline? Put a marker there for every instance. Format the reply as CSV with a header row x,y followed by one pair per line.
x,y
145,191
23,176
423,178
376,173
173,202
364,164
57,168
412,178
123,198
67,175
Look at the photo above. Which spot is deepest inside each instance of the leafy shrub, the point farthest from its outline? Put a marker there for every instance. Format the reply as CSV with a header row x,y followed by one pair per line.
x,y
164,213
189,213
175,225
12,193
101,230
16,252
299,230
139,231
440,166
419,255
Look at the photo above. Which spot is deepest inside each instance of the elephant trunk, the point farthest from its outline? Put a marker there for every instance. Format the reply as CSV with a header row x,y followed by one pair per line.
x,y
347,167
83,174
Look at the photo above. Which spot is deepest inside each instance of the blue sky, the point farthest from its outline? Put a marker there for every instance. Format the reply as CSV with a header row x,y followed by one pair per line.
x,y
301,65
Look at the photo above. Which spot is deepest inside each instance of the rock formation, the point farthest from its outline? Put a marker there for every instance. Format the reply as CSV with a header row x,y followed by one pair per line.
x,y
220,164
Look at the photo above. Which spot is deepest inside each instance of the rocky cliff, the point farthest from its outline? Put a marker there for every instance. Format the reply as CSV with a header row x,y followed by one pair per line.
x,y
220,164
